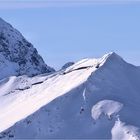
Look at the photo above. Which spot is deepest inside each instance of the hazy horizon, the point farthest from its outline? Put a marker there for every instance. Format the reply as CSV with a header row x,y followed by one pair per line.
x,y
63,33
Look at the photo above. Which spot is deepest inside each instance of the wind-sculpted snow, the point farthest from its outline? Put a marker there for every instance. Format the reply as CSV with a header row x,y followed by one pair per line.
x,y
59,105
121,131
17,55
106,107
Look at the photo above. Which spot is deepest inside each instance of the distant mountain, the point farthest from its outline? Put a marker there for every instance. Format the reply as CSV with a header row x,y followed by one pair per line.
x,y
17,55
67,65
92,99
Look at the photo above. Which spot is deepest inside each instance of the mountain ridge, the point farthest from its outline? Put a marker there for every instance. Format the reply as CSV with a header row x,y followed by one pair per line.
x,y
94,98
17,55
61,103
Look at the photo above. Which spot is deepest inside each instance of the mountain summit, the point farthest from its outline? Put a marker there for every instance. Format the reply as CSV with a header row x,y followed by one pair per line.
x,y
91,99
17,55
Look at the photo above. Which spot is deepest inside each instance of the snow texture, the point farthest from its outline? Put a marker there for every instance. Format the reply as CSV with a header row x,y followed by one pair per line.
x,y
17,55
106,107
120,131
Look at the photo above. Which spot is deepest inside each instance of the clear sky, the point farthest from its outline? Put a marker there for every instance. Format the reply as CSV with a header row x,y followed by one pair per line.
x,y
70,30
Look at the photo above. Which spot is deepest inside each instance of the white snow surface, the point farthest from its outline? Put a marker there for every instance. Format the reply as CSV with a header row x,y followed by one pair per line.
x,y
121,131
22,96
106,107
70,103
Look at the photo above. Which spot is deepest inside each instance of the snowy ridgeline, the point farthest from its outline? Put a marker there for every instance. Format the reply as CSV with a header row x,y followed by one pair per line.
x,y
93,98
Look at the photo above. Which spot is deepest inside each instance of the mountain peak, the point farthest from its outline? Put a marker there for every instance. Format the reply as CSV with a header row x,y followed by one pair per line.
x,y
111,57
17,55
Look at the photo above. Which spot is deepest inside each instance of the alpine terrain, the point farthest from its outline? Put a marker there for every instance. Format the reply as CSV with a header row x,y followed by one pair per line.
x,y
17,55
90,99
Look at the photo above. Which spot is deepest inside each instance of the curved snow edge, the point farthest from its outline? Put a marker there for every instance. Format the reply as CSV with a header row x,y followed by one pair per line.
x,y
106,107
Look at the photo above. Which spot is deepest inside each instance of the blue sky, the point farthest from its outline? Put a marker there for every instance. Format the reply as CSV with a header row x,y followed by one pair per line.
x,y
68,31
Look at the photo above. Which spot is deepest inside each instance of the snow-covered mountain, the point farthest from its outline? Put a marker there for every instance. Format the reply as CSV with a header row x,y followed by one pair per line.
x,y
94,98
17,55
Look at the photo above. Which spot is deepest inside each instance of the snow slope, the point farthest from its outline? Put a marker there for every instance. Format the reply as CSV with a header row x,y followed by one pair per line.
x,y
94,98
17,55
120,131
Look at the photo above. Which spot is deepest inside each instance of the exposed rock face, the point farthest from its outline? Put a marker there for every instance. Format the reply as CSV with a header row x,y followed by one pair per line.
x,y
17,55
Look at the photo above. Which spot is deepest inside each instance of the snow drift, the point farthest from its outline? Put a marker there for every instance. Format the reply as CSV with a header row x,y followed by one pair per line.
x,y
106,107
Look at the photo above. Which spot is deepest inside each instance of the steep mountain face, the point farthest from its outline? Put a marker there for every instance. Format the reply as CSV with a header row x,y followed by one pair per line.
x,y
94,98
17,55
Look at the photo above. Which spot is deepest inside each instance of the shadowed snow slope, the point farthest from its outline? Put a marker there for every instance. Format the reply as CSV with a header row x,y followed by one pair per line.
x,y
94,98
17,55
